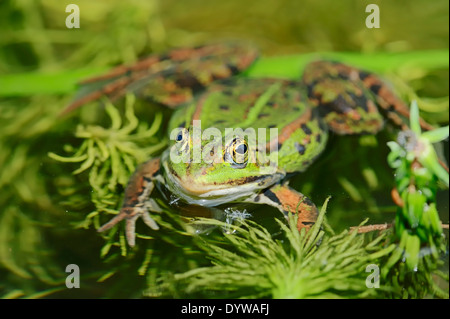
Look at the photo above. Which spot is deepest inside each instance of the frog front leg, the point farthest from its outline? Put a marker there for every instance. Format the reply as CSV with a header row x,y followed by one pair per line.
x,y
288,200
137,203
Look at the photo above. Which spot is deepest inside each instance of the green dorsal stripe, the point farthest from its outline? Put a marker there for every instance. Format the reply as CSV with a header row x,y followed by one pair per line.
x,y
259,104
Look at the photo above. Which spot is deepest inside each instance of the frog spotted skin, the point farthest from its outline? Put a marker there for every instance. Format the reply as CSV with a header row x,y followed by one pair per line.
x,y
330,96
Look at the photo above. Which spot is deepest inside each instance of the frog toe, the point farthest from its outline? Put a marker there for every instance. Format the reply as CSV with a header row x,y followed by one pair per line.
x,y
130,230
149,221
131,214
118,218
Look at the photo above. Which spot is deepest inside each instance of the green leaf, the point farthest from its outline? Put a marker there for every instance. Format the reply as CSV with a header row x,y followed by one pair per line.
x,y
30,83
412,248
436,135
289,66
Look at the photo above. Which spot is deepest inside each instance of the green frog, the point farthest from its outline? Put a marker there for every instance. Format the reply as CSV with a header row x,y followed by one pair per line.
x,y
236,139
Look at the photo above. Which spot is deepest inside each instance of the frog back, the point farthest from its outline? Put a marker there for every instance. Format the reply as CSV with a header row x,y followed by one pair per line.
x,y
244,103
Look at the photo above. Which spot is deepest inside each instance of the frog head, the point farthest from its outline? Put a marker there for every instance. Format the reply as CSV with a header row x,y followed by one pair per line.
x,y
212,172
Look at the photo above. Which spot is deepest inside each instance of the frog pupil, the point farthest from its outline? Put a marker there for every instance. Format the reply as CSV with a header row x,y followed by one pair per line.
x,y
241,149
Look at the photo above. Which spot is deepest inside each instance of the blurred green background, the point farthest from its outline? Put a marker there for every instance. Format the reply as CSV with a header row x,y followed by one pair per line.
x,y
34,35
41,60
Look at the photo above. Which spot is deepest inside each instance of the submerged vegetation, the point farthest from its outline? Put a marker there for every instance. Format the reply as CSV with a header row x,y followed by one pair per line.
x,y
250,261
62,177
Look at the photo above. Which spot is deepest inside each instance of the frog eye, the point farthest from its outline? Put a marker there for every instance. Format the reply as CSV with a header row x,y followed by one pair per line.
x,y
181,135
239,151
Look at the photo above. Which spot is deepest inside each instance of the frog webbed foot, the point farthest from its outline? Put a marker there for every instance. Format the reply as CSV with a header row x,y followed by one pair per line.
x,y
137,203
131,215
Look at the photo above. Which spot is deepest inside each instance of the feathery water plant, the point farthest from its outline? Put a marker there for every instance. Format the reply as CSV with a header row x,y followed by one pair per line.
x,y
251,263
111,154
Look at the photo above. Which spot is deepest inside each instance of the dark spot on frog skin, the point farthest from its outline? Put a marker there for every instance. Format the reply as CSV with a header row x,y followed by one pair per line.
x,y
271,195
158,172
272,126
224,107
307,201
311,85
279,146
338,105
306,129
375,88
187,79
308,223
233,68
271,104
257,199
261,115
306,163
341,105
343,76
391,108
360,100
182,124
318,138
227,92
300,148
363,75
219,122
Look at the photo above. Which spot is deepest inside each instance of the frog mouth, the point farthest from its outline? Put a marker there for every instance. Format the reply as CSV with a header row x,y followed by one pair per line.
x,y
213,194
